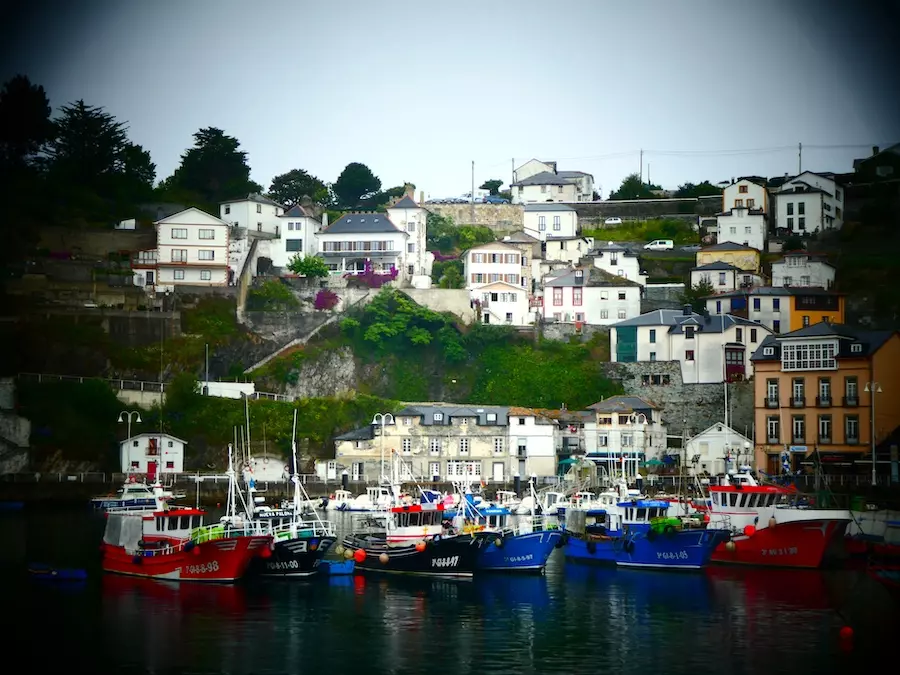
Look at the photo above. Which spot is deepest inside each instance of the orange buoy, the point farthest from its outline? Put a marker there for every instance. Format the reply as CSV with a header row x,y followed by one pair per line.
x,y
420,546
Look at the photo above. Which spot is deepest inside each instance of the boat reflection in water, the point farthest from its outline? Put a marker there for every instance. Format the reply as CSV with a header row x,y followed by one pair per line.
x,y
771,588
124,593
512,590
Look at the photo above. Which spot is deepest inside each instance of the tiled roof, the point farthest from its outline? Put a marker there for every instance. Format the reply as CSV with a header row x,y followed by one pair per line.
x,y
253,197
591,277
365,433
676,319
545,178
727,246
361,223
718,265
297,211
427,412
871,340
615,404
520,238
405,203
548,207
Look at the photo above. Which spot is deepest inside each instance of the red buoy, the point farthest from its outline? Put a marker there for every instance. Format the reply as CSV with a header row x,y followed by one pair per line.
x,y
265,553
359,555
749,530
846,633
196,550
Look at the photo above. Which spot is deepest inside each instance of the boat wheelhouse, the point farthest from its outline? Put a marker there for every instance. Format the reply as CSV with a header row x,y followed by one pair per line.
x,y
134,495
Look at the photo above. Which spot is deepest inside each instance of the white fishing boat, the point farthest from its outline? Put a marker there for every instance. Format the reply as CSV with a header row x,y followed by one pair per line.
x,y
135,495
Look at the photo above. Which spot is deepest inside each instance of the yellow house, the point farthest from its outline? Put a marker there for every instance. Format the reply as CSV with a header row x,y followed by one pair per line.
x,y
782,309
743,257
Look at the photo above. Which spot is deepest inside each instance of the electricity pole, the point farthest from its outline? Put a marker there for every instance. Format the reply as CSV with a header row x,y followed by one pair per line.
x,y
472,214
641,174
799,158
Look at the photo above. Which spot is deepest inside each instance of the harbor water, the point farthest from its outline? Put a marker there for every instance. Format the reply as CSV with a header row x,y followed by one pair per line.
x,y
573,619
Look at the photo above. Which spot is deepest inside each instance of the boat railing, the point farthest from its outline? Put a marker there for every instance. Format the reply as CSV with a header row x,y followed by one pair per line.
x,y
310,528
199,535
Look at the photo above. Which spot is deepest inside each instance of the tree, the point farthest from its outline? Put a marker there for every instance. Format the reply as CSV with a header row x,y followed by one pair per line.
x,y
309,266
696,295
634,188
354,184
493,186
290,188
214,170
25,126
704,189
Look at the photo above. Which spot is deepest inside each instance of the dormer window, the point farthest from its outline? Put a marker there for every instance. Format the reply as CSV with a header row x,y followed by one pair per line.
x,y
768,351
856,349
688,332
492,418
438,417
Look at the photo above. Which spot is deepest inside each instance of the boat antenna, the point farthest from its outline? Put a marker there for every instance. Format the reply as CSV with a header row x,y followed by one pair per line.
x,y
300,494
247,413
198,489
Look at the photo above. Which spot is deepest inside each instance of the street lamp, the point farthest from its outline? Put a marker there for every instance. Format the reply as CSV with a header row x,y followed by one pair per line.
x,y
125,415
639,418
382,419
873,388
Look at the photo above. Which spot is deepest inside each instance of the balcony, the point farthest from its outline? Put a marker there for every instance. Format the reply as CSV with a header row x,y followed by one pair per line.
x,y
521,454
773,440
360,254
824,440
772,402
823,401
798,401
144,258
851,401
852,440
798,440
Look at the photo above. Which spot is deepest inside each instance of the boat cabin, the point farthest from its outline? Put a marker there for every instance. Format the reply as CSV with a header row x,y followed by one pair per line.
x,y
642,511
551,498
418,515
379,495
136,490
135,530
342,496
491,517
506,497
582,498
729,499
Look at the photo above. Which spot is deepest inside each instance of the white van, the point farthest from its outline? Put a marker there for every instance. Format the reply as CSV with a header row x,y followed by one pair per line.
x,y
660,245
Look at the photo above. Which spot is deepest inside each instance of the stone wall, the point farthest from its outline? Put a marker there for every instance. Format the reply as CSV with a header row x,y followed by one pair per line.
x,y
95,242
688,408
563,332
662,296
498,217
453,300
132,329
592,214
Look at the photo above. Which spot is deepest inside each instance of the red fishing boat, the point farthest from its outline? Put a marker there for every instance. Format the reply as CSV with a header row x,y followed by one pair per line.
x,y
174,544
772,526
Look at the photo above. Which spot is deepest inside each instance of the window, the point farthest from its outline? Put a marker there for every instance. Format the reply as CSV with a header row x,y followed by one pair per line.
x,y
801,223
556,224
621,295
205,275
801,208
522,421
464,446
689,355
293,245
135,465
814,356
776,326
207,234
688,332
805,321
768,351
576,296
732,230
653,356
851,428
790,208
652,336
742,189
259,227
179,255
837,195
604,313
557,296
179,233
718,306
722,277
824,388
542,222
622,314
410,227
739,334
626,439
798,427
603,440
790,223
824,428
604,295
579,316
797,387
434,446
776,304
498,446
170,444
756,305
509,317
748,230
290,226
492,418
772,390
259,208
751,203
753,336
438,417
206,254
772,430
788,281
227,210
406,445
738,203
851,388
411,247
178,275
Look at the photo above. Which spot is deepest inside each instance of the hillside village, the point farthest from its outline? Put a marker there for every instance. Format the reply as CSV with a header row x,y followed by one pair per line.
x,y
750,358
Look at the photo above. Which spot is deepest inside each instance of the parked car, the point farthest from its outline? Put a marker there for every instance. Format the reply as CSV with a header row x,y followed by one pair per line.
x,y
691,247
612,221
660,245
493,199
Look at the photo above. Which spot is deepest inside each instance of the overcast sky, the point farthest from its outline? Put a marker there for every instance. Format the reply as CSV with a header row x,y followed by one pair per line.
x,y
417,90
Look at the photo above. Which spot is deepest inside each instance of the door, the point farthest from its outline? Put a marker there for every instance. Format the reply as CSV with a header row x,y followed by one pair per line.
x,y
356,471
150,277
434,471
331,470
522,469
151,471
497,473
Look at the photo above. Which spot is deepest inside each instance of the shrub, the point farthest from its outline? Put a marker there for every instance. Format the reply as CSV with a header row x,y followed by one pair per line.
x,y
326,299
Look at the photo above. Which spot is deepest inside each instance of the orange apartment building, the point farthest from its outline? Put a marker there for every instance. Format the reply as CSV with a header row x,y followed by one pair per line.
x,y
813,391
781,309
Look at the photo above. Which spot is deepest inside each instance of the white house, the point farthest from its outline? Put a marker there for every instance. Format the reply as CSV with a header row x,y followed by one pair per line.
x,y
298,235
192,249
709,348
746,193
626,427
503,303
590,295
810,202
714,448
532,443
355,238
550,220
799,268
152,453
724,277
567,249
497,261
254,212
619,261
537,181
742,225
409,217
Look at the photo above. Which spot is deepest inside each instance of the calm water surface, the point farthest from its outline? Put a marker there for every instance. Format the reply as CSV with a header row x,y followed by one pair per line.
x,y
575,619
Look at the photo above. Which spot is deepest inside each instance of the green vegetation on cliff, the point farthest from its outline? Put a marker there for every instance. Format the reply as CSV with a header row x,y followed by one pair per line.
x,y
679,230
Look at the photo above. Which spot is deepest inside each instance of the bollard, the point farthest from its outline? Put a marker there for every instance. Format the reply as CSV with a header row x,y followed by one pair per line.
x,y
517,484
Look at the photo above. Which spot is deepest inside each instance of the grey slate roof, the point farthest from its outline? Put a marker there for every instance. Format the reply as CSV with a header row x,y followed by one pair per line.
x,y
254,197
520,237
449,412
727,246
366,433
548,207
592,277
296,211
361,223
573,174
776,291
623,404
676,319
545,178
871,340
405,203
718,265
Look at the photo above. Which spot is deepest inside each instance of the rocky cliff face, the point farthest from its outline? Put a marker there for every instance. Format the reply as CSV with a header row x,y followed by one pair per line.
x,y
331,373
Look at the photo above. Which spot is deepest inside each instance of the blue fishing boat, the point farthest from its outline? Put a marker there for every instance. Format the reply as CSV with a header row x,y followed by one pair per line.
x,y
638,533
522,544
49,573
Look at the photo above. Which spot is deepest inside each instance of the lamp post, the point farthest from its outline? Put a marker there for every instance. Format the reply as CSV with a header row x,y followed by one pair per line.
x,y
125,416
382,419
639,418
873,388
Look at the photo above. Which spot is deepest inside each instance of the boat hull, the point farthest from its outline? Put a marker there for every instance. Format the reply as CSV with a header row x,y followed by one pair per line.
x,y
679,550
298,557
518,552
222,560
441,556
799,543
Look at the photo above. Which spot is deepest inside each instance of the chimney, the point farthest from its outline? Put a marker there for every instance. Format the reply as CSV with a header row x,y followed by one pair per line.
x,y
409,190
875,150
324,219
688,310
421,197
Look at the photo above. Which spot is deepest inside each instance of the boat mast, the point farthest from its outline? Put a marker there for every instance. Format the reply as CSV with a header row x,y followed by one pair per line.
x,y
247,413
727,428
295,477
231,506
